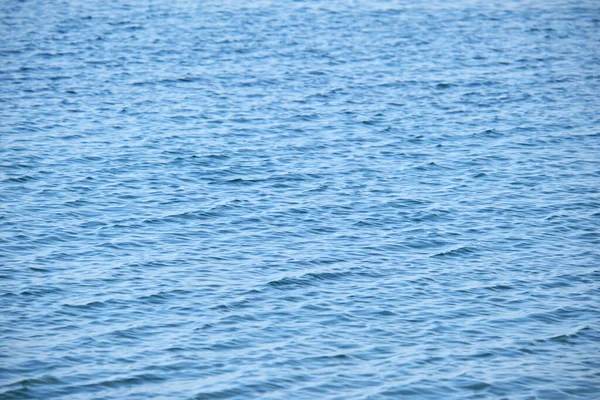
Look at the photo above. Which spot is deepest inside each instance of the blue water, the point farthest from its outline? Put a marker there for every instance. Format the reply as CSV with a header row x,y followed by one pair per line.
x,y
299,200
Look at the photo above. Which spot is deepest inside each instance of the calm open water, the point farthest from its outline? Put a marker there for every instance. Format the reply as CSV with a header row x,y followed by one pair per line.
x,y
299,200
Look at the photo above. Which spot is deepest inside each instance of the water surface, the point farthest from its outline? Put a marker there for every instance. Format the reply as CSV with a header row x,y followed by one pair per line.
x,y
309,200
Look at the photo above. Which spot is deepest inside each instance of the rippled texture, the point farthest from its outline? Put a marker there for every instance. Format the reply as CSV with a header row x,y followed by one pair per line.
x,y
300,200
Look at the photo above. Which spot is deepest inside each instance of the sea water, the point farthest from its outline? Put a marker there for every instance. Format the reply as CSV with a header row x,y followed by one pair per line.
x,y
299,199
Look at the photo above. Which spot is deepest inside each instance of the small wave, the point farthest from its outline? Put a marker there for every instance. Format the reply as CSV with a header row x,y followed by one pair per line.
x,y
574,334
457,252
309,279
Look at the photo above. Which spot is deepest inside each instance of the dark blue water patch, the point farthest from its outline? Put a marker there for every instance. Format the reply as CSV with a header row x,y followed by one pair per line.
x,y
304,199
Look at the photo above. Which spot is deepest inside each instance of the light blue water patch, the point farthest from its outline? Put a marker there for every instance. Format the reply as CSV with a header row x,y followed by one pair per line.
x,y
299,200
